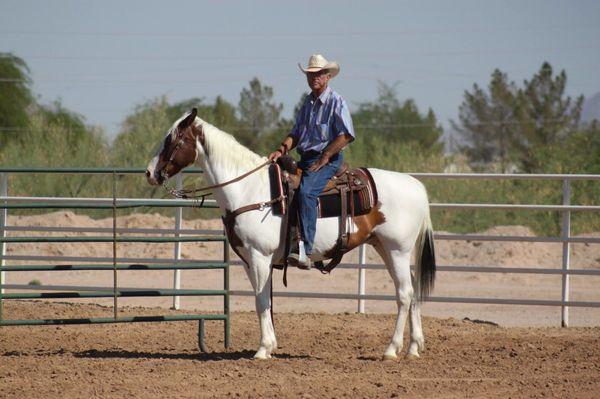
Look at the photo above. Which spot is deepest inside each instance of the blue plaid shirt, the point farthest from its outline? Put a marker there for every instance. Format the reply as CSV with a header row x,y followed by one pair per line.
x,y
321,120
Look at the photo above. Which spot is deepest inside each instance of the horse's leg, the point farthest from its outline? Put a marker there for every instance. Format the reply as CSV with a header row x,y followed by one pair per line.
x,y
259,273
397,262
417,340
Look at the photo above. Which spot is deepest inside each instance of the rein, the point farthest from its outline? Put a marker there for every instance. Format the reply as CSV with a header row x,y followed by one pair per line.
x,y
191,194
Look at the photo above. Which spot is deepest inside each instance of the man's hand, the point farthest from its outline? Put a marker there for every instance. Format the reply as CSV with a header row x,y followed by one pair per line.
x,y
285,147
320,163
333,148
275,155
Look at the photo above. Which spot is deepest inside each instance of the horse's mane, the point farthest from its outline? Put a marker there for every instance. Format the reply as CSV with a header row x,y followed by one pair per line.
x,y
224,150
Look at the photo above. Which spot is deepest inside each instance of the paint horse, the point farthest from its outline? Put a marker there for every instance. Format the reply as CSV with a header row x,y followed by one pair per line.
x,y
398,224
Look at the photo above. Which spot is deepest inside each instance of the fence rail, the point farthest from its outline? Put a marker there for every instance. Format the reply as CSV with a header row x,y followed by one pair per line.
x,y
8,202
115,292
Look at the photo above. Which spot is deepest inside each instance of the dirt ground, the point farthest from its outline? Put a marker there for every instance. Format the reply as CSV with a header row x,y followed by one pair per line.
x,y
320,355
448,284
326,349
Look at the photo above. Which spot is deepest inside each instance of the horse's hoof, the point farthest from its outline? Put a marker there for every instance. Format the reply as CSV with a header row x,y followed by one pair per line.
x,y
412,356
262,355
388,356
413,349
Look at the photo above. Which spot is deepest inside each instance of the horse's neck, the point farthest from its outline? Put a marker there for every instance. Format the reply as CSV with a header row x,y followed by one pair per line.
x,y
225,167
251,189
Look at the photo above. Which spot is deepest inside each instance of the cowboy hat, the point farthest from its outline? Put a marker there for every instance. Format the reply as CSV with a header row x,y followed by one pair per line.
x,y
317,62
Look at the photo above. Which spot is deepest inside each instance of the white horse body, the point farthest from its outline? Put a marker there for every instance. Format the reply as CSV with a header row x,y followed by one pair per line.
x,y
403,202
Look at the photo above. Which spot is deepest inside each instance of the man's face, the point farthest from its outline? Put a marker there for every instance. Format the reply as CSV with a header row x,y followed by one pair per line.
x,y
317,81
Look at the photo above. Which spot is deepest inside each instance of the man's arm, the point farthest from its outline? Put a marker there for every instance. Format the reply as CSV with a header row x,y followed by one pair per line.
x,y
286,146
333,148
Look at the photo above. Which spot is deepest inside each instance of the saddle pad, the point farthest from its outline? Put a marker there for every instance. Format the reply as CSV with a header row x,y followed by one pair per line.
x,y
364,199
329,205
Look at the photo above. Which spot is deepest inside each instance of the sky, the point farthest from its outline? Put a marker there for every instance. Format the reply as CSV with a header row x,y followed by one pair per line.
x,y
102,58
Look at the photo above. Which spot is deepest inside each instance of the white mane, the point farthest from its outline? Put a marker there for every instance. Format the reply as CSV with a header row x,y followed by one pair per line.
x,y
224,150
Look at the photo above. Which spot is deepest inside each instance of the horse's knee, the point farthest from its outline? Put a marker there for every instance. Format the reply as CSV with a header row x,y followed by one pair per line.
x,y
263,303
405,296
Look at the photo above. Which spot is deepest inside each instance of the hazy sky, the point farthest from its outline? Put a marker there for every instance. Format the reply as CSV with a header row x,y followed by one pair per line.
x,y
104,57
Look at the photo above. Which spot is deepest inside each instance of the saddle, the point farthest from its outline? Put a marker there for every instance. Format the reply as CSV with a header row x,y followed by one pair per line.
x,y
349,193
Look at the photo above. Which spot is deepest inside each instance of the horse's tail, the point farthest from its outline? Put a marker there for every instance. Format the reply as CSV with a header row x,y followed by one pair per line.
x,y
424,260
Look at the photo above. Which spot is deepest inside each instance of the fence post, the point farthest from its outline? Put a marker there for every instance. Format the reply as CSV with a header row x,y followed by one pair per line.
x,y
566,233
177,245
114,244
3,223
361,277
226,307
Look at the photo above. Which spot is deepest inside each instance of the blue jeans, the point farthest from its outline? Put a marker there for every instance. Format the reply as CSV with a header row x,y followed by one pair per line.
x,y
310,187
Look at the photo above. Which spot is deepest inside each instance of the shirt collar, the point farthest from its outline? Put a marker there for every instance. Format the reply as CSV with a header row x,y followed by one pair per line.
x,y
323,97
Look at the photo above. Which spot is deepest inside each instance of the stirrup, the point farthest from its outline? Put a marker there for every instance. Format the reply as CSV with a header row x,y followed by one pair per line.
x,y
300,259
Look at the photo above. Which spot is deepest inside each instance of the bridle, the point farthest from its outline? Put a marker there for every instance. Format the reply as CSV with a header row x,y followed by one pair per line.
x,y
200,194
230,215
178,146
191,194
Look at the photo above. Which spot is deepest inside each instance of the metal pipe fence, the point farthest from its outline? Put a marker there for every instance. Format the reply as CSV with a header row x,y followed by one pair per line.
x,y
115,292
565,238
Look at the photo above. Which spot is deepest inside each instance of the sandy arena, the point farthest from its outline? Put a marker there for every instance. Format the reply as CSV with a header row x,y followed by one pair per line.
x,y
320,355
326,350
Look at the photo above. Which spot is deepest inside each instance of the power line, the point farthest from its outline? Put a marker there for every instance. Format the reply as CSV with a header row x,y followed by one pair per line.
x,y
283,35
408,78
290,59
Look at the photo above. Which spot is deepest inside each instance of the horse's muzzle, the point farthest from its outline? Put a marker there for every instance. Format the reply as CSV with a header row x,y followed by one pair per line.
x,y
153,178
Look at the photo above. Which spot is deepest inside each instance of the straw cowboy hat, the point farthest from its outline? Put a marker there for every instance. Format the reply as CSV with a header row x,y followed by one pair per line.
x,y
317,62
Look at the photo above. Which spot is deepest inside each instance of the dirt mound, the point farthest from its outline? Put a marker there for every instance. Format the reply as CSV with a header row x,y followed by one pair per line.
x,y
484,253
451,284
516,254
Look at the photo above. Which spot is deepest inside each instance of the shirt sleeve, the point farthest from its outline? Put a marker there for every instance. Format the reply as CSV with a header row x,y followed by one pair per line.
x,y
342,121
296,129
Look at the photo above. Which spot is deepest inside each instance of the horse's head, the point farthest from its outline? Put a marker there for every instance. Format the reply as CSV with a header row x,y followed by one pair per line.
x,y
179,150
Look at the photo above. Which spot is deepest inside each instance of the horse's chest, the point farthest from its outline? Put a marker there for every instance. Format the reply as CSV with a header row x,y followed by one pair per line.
x,y
235,240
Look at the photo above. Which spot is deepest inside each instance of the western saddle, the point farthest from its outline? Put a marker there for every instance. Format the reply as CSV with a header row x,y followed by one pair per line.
x,y
349,193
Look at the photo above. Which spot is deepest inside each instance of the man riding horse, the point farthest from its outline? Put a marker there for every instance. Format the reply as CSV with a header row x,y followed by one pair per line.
x,y
323,128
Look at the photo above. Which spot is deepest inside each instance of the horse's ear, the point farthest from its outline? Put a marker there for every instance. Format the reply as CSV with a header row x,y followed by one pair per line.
x,y
188,119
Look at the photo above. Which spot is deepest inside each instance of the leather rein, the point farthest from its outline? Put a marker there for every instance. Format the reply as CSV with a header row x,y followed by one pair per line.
x,y
193,194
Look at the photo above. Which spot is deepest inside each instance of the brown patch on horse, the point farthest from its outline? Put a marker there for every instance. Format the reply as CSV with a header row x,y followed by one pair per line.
x,y
183,152
365,225
234,240
198,133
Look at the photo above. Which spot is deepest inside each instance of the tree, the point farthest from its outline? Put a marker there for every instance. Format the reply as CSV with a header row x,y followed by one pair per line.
x,y
15,97
259,114
575,153
141,133
508,124
487,122
403,122
57,137
546,116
